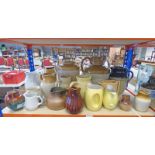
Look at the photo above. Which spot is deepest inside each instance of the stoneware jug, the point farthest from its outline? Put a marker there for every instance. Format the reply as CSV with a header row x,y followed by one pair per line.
x,y
74,101
56,98
68,69
97,71
94,97
82,81
49,70
142,101
65,81
32,100
110,98
122,75
48,81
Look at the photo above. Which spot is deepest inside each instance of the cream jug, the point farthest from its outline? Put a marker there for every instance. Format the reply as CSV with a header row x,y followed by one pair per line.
x,y
32,100
110,98
94,97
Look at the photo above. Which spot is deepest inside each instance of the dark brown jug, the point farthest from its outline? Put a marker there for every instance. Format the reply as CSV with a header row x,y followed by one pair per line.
x,y
74,101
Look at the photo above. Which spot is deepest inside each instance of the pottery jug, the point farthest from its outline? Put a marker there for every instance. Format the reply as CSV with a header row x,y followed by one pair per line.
x,y
94,97
56,98
122,75
32,100
82,81
98,72
110,98
49,70
14,100
32,80
68,69
48,81
114,83
125,103
65,81
74,101
142,101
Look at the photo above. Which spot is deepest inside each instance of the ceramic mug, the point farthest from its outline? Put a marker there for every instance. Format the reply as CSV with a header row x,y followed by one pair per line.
x,y
32,100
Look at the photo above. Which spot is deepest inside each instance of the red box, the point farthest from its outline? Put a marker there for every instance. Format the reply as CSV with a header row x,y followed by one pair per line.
x,y
13,77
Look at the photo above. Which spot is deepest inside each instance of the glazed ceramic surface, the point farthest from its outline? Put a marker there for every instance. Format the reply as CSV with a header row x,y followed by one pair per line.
x,y
48,82
32,80
94,97
142,101
14,100
125,103
56,98
123,75
68,70
32,100
74,101
114,83
110,98
123,82
98,72
82,81
49,70
65,81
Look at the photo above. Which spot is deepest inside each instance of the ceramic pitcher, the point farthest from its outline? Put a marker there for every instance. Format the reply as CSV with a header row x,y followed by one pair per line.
x,y
110,98
48,81
56,98
74,101
65,81
82,81
94,97
32,100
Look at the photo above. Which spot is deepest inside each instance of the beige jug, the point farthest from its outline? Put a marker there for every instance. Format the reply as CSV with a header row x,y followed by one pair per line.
x,y
48,81
82,81
94,97
110,98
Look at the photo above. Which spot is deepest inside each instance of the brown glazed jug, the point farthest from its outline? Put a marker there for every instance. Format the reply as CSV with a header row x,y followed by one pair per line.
x,y
74,101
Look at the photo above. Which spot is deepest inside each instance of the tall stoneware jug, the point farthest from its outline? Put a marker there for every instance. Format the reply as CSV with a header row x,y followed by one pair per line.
x,y
48,81
74,101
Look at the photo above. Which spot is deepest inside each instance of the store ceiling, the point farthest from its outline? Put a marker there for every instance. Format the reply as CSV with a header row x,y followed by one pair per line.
x,y
77,41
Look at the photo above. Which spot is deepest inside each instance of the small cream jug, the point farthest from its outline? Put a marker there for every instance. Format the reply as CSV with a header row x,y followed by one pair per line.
x,y
32,100
94,97
110,98
82,81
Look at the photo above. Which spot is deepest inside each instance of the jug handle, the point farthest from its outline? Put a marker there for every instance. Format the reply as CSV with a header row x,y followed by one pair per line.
x,y
131,76
41,77
41,100
83,62
73,83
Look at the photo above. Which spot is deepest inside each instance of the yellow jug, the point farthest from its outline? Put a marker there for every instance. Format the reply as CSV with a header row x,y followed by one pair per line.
x,y
82,81
110,98
94,97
